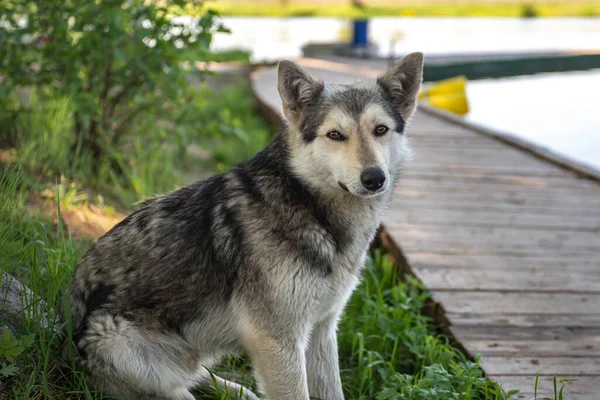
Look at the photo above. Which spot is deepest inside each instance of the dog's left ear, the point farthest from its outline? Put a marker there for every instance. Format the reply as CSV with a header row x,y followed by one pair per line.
x,y
403,82
297,89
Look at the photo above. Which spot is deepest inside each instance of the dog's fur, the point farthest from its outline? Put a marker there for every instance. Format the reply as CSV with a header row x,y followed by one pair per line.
x,y
262,257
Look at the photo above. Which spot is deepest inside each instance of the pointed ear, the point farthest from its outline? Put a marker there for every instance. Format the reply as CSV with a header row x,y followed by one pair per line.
x,y
403,82
297,89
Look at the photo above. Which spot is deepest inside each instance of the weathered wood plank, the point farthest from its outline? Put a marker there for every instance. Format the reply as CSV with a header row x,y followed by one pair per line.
x,y
431,166
531,341
531,348
576,388
493,236
526,186
504,251
424,124
504,262
518,303
484,249
504,219
501,180
498,176
526,280
424,204
547,366
511,197
550,321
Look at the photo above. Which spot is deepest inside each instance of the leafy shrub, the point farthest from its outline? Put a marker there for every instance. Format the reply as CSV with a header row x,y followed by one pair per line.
x,y
116,60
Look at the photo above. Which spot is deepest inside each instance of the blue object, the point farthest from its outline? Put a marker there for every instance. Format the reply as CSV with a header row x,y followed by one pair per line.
x,y
359,38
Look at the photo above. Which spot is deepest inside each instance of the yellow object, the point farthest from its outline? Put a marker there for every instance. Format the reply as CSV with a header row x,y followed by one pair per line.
x,y
449,94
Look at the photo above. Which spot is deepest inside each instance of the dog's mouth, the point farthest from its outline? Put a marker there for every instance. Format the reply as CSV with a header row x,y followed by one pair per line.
x,y
343,186
364,192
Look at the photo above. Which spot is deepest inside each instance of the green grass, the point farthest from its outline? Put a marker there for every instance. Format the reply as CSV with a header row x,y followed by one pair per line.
x,y
415,9
231,121
38,253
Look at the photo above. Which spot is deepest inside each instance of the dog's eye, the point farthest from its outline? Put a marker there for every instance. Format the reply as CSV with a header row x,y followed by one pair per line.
x,y
381,130
335,135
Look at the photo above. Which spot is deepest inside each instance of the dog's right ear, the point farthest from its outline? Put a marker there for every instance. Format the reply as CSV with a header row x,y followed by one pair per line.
x,y
403,81
297,89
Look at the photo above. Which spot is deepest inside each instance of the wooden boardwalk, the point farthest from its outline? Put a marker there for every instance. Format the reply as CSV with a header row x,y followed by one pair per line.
x,y
507,242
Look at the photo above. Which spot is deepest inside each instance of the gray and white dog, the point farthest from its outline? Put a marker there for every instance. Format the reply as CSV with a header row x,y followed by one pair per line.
x,y
263,257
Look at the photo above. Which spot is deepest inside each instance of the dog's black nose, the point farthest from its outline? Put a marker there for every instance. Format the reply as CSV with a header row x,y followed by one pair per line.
x,y
372,178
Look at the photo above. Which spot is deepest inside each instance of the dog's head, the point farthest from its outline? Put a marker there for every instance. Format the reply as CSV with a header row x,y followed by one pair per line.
x,y
350,137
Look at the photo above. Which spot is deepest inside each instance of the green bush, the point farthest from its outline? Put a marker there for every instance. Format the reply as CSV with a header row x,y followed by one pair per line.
x,y
118,61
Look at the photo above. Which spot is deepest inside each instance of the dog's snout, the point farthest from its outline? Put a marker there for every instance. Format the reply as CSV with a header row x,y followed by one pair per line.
x,y
372,178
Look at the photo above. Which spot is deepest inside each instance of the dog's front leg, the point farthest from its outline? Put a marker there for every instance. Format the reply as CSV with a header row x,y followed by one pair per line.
x,y
280,364
323,370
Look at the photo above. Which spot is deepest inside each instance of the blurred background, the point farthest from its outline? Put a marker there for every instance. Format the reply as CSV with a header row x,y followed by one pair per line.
x,y
524,61
104,103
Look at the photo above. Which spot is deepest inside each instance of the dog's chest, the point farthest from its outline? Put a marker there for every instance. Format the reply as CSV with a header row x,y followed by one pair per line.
x,y
346,268
337,288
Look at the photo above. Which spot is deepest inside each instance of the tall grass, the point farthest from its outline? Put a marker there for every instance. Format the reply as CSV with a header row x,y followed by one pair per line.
x,y
41,256
45,144
44,134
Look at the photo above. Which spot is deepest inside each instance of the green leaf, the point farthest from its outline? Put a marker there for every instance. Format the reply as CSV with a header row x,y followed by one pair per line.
x,y
8,370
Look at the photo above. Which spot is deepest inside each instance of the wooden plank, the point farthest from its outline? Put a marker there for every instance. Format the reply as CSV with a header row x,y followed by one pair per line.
x,y
535,177
576,388
414,240
534,341
547,366
503,262
480,161
513,333
424,124
526,280
424,204
513,197
497,237
429,131
530,348
499,218
429,144
432,166
570,320
450,250
488,179
518,303
526,186
490,248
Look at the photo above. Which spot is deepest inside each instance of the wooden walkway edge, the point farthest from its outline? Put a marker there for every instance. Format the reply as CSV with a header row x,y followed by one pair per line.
x,y
505,235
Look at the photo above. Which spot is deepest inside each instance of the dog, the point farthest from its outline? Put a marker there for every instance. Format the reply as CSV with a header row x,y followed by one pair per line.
x,y
262,258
